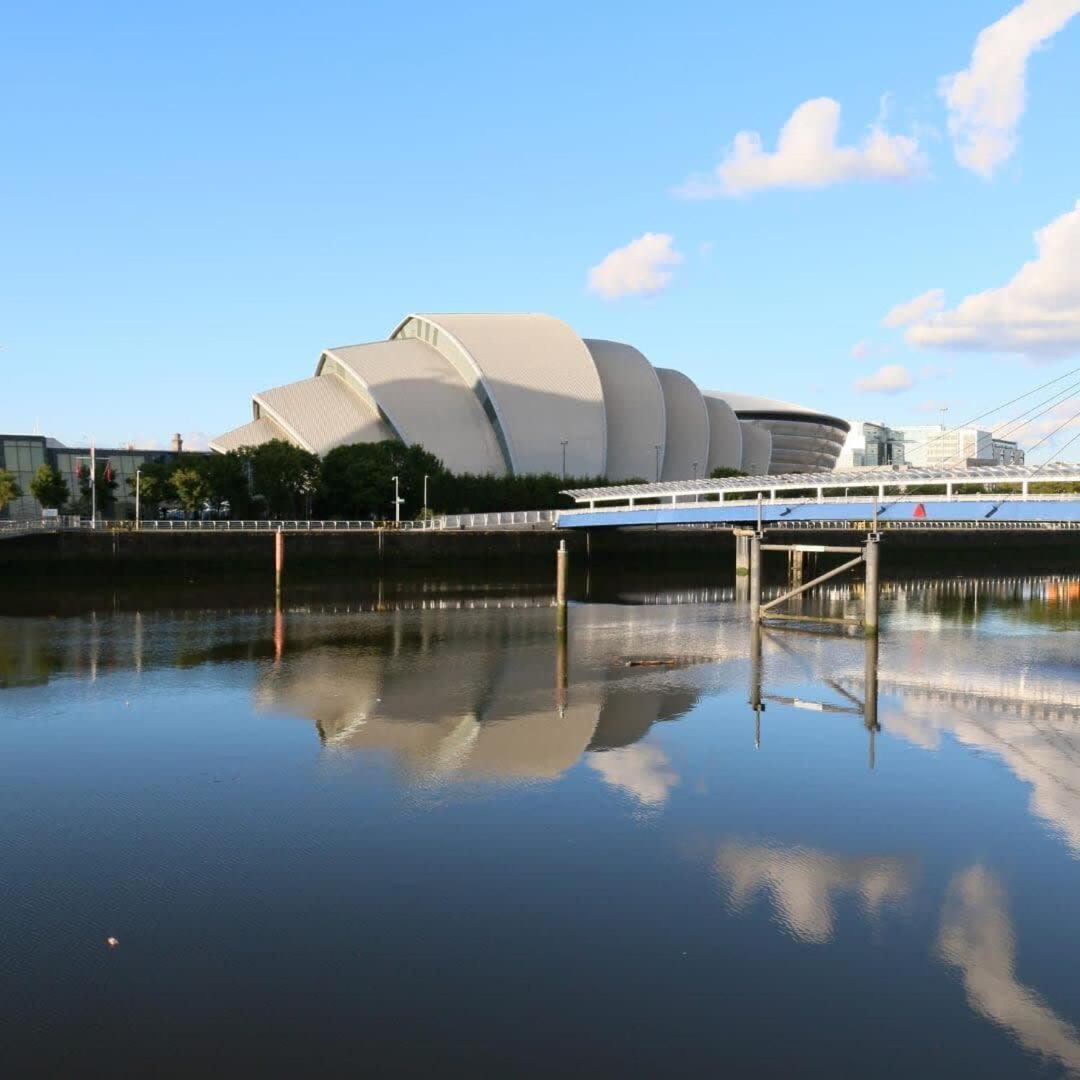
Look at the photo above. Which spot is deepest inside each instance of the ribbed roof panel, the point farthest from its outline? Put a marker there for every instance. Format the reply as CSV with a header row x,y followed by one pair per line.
x,y
687,428
323,412
543,387
425,399
633,407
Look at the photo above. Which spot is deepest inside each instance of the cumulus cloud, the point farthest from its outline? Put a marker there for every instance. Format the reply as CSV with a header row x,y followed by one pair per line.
x,y
889,379
987,99
1036,314
642,267
916,309
807,156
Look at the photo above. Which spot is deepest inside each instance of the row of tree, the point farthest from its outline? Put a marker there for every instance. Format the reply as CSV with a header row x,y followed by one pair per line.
x,y
280,480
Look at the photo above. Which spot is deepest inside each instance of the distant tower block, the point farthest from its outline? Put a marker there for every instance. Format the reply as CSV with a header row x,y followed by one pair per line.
x,y
177,443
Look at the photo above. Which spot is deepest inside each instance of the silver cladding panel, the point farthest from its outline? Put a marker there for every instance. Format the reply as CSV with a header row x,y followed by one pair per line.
x,y
802,446
424,399
725,434
322,412
757,448
262,430
544,387
687,427
634,407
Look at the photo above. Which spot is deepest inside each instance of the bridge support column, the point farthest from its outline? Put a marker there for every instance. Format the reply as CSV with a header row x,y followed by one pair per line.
x,y
870,615
795,567
755,579
742,553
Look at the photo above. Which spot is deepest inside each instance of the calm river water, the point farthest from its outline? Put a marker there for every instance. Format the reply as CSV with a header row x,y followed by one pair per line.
x,y
414,838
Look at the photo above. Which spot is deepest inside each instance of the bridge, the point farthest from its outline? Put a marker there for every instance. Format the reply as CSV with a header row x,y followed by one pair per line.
x,y
885,498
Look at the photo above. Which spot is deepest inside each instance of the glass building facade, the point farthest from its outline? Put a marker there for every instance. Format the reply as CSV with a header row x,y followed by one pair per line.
x,y
23,455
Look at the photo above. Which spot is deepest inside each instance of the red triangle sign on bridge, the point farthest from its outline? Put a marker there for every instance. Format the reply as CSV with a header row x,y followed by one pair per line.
x,y
920,511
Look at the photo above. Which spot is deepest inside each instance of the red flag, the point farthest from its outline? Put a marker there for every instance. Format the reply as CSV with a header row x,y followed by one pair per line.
x,y
107,474
920,511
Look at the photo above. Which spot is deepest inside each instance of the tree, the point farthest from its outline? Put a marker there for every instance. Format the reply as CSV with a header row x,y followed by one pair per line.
x,y
106,490
286,476
226,477
358,480
9,490
154,485
721,471
49,487
191,488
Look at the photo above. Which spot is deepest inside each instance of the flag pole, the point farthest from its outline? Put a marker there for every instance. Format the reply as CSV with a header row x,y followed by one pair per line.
x,y
93,485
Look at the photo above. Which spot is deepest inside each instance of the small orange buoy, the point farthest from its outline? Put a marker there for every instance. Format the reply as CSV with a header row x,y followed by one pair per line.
x,y
112,942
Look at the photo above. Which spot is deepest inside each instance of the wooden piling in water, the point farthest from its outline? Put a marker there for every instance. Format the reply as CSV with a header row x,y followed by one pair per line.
x,y
279,560
562,559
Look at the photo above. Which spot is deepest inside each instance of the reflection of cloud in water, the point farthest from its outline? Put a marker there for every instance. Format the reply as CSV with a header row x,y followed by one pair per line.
x,y
804,884
644,771
977,938
1044,755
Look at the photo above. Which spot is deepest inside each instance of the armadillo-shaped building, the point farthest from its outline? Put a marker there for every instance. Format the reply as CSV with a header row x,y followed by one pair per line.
x,y
514,394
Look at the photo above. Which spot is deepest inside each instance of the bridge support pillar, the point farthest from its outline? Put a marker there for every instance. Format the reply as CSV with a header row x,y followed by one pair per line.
x,y
742,553
755,579
870,615
795,567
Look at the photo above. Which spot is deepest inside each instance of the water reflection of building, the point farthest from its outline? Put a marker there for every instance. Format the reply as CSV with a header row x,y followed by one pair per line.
x,y
479,697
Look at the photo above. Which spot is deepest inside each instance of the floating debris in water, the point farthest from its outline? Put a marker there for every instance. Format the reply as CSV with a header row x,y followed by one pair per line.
x,y
112,942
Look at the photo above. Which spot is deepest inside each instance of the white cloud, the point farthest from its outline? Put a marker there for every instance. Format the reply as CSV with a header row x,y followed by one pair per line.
x,y
987,99
915,310
890,379
861,349
1036,314
642,770
807,156
640,267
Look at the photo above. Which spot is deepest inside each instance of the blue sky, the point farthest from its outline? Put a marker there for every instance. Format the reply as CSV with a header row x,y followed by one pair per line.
x,y
197,198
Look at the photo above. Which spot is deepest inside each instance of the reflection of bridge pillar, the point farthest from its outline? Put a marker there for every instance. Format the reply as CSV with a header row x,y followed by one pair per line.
x,y
870,692
755,681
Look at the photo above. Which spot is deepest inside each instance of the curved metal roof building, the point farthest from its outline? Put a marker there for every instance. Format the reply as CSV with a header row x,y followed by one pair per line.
x,y
513,394
802,440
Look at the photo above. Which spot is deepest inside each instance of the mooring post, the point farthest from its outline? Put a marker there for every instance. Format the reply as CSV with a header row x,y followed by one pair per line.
x,y
562,559
279,560
755,579
870,557
795,567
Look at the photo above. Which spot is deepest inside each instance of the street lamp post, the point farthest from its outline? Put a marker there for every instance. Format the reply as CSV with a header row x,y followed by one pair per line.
x,y
656,447
424,512
564,458
138,508
93,485
397,502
